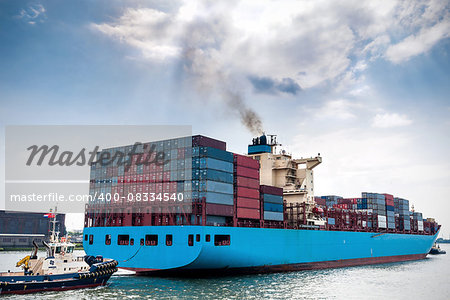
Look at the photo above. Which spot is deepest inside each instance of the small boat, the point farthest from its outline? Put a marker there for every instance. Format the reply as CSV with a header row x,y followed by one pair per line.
x,y
59,270
437,250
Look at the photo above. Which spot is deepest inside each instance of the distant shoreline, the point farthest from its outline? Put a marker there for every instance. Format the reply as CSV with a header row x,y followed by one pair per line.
x,y
9,249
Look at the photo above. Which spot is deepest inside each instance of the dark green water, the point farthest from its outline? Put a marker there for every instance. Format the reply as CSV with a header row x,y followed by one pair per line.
x,y
424,279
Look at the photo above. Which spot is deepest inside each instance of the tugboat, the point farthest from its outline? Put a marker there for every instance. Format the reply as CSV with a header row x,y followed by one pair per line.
x,y
59,270
437,250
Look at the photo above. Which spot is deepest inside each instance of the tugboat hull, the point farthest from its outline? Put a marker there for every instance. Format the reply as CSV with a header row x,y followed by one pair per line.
x,y
52,285
98,275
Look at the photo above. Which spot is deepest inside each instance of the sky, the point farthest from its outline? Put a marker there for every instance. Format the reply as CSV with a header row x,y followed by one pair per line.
x,y
364,83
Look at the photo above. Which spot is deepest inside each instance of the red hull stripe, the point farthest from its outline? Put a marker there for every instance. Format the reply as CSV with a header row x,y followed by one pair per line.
x,y
290,267
53,289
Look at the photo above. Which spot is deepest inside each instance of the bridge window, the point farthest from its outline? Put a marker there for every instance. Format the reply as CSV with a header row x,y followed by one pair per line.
x,y
221,240
85,237
142,242
70,250
197,238
168,240
108,239
151,240
91,239
123,239
191,240
131,242
207,238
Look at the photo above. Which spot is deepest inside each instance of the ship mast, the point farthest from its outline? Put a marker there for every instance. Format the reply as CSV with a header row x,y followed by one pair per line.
x,y
54,235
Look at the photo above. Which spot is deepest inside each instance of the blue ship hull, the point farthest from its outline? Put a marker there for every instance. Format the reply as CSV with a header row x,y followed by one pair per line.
x,y
252,249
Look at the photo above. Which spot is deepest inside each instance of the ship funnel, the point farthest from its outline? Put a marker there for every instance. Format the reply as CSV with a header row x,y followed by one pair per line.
x,y
263,144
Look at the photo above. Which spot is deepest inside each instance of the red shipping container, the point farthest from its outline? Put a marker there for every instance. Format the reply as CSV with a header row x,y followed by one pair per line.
x,y
246,161
247,182
248,202
388,197
173,187
166,187
247,213
247,172
247,193
320,201
146,178
272,190
152,188
152,177
166,176
200,140
159,188
219,209
159,177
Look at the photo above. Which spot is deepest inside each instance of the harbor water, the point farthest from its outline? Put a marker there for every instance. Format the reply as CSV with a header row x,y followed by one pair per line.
x,y
423,279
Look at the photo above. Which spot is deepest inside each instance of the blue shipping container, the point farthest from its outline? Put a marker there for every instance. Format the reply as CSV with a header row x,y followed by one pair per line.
x,y
217,198
273,207
211,163
272,198
215,186
216,153
273,216
215,175
331,221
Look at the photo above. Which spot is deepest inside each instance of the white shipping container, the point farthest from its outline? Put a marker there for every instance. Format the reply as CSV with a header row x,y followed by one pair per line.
x,y
364,223
382,225
420,225
381,219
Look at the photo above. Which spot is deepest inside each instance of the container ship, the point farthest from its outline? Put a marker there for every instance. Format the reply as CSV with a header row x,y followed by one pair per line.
x,y
203,209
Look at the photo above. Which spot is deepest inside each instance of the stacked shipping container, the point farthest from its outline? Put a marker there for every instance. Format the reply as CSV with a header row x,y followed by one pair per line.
x,y
212,174
401,207
246,187
331,200
220,188
272,203
377,204
390,217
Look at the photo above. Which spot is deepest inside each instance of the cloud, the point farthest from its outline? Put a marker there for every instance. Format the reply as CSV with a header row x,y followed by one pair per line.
x,y
388,120
267,85
420,43
338,109
146,29
296,44
33,14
